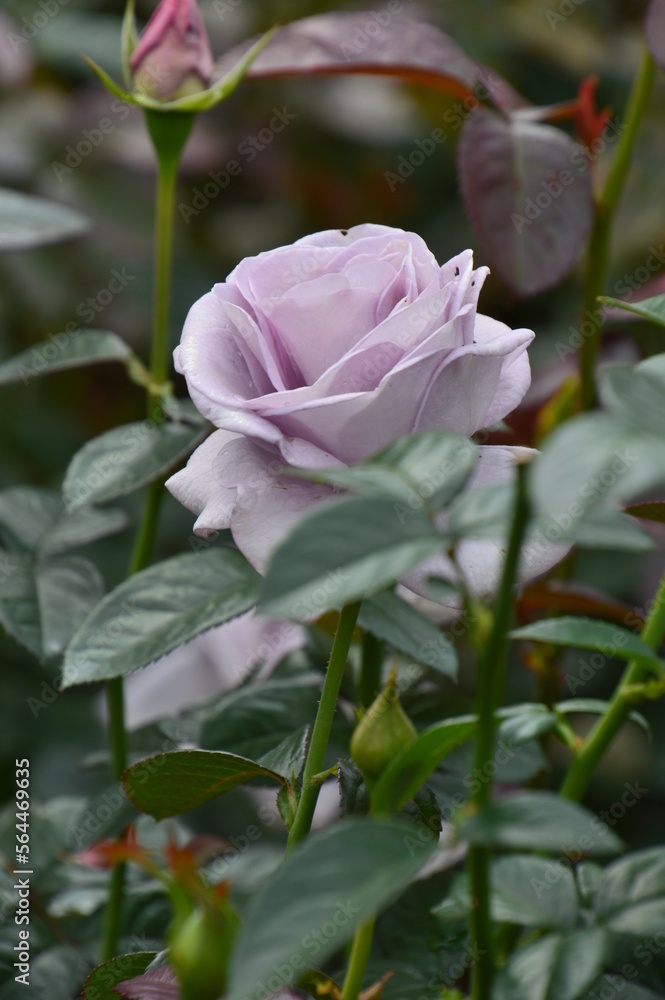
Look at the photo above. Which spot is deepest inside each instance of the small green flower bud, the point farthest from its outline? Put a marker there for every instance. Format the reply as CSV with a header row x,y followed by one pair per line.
x,y
382,733
200,951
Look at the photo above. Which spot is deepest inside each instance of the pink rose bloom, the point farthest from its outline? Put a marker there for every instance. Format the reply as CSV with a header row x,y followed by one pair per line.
x,y
321,353
173,57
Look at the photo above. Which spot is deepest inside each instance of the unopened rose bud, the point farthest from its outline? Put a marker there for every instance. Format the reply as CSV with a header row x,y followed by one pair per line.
x,y
200,951
173,57
384,731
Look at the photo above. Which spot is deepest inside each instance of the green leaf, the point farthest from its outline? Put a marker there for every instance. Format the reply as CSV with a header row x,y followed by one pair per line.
x,y
288,758
71,531
484,512
596,706
588,633
62,352
169,784
34,521
630,897
342,552
637,394
27,222
99,984
586,465
540,821
420,470
652,309
534,892
43,602
255,718
553,968
438,463
526,890
68,588
126,458
157,610
525,722
399,624
19,607
410,769
326,886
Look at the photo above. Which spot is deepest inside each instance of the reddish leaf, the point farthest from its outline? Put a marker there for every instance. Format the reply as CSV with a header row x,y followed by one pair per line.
x,y
589,122
654,29
110,852
652,510
375,42
556,598
197,852
527,190
157,984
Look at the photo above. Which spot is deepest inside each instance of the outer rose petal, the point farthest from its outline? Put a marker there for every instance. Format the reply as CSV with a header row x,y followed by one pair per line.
x,y
515,377
196,488
267,505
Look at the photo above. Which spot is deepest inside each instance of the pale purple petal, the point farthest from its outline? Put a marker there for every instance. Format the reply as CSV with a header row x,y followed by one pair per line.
x,y
515,376
267,504
197,489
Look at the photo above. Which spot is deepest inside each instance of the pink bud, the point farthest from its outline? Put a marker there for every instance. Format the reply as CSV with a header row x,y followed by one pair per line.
x,y
173,57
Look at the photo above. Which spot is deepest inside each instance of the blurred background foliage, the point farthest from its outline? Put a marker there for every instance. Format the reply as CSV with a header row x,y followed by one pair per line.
x,y
326,169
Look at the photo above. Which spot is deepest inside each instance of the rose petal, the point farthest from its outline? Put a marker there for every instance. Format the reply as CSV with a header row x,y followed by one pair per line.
x,y
197,489
267,505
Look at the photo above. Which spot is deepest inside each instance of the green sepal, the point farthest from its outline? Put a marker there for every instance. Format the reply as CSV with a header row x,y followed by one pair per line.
x,y
129,41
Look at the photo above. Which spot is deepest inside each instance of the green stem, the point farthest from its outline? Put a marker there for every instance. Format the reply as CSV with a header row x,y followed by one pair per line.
x,y
489,688
167,175
601,736
355,973
169,133
369,682
322,724
599,243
